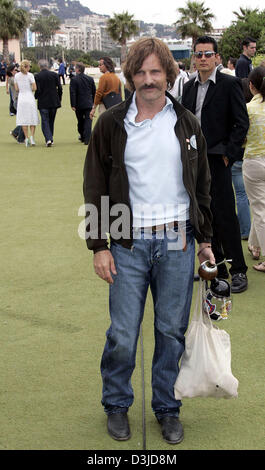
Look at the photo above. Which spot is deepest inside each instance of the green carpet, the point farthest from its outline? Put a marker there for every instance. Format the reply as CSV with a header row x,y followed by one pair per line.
x,y
54,314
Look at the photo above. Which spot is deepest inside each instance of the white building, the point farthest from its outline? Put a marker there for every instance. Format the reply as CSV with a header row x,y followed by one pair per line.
x,y
86,34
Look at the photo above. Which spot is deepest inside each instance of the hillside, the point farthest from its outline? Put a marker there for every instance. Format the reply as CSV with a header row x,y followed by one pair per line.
x,y
64,8
67,9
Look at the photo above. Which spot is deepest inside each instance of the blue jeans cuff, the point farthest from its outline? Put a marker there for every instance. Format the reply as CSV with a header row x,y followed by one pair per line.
x,y
167,412
110,410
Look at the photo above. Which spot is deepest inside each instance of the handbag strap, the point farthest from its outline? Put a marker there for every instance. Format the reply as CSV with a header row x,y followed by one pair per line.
x,y
199,315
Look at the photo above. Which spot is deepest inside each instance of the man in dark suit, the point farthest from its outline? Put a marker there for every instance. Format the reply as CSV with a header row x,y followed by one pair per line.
x,y
82,93
49,95
218,102
244,63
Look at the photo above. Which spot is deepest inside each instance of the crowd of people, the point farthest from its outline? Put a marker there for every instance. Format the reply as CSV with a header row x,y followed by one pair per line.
x,y
188,141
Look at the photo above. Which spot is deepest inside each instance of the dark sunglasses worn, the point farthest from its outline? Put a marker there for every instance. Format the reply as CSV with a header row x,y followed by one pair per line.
x,y
207,54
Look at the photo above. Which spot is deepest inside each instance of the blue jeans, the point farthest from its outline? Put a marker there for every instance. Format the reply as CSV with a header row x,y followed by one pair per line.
x,y
169,273
47,122
18,132
243,211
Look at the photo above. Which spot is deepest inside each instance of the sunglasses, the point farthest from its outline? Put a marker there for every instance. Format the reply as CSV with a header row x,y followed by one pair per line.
x,y
206,54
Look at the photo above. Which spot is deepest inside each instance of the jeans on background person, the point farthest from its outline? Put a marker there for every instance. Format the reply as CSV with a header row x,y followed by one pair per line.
x,y
19,134
12,108
243,211
169,273
47,122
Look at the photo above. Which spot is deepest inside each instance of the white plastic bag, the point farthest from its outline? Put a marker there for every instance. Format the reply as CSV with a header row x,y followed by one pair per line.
x,y
205,369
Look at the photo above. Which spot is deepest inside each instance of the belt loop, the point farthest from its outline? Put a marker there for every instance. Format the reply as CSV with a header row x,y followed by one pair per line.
x,y
183,237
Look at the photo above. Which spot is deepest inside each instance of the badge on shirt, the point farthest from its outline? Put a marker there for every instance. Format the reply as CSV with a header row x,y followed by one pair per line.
x,y
193,142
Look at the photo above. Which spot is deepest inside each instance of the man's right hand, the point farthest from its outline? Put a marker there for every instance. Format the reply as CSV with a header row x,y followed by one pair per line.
x,y
104,265
92,113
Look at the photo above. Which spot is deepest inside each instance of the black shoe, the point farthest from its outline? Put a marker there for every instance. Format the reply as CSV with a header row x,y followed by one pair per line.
x,y
239,283
172,430
196,277
118,426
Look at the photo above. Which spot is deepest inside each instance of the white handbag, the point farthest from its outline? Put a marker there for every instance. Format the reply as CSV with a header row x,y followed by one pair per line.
x,y
205,369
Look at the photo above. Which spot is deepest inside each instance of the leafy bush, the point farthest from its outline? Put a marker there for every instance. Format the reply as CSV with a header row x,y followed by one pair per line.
x,y
34,68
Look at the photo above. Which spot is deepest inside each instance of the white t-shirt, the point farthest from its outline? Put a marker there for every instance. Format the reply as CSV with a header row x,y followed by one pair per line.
x,y
154,168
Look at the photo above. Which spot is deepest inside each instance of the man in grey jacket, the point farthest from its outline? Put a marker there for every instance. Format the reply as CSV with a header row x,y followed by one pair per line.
x,y
146,182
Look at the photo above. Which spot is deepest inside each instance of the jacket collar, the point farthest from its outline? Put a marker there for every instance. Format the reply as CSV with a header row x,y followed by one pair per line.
x,y
119,112
210,92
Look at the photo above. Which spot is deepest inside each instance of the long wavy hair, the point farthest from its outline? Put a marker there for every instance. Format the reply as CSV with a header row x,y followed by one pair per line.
x,y
108,64
140,50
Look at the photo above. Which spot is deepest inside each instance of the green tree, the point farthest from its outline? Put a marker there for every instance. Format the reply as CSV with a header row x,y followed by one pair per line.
x,y
195,20
243,13
120,28
13,22
46,26
248,23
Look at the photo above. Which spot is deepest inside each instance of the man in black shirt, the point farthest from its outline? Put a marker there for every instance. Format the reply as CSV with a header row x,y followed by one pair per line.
x,y
244,63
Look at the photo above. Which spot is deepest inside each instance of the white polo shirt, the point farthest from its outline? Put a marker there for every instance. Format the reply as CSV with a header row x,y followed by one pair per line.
x,y
154,168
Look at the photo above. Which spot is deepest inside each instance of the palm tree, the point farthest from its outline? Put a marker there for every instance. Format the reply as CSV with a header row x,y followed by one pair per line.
x,y
195,20
13,22
46,25
243,13
120,28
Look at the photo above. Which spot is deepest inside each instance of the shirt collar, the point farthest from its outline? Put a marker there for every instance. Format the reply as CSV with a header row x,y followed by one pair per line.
x,y
212,77
133,110
257,97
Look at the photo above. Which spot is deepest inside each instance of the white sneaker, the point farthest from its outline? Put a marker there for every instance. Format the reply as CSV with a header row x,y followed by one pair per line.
x,y
27,142
32,141
49,143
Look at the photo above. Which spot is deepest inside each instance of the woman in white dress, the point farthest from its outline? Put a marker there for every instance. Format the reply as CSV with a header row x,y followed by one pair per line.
x,y
27,113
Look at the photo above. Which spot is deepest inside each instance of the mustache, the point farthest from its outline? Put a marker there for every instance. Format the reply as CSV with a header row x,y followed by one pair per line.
x,y
149,87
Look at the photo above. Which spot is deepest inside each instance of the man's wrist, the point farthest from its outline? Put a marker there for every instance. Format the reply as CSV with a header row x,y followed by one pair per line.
x,y
202,247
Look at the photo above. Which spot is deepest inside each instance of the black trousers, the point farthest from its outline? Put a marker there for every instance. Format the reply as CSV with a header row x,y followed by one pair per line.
x,y
84,124
226,241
